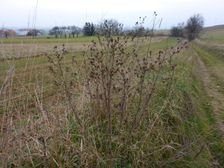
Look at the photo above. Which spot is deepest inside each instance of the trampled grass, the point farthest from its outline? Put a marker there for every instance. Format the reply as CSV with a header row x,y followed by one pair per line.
x,y
214,61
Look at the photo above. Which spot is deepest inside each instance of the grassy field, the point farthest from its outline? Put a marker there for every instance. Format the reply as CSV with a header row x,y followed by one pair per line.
x,y
28,47
19,40
213,34
116,103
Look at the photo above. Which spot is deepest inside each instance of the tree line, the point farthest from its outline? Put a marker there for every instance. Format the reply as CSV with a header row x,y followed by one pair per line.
x,y
106,28
63,31
112,27
189,30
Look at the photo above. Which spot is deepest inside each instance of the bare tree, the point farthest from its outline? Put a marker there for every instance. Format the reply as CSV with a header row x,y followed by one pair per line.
x,y
110,27
194,26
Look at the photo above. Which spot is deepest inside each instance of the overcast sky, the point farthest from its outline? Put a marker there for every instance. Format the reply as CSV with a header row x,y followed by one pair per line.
x,y
21,13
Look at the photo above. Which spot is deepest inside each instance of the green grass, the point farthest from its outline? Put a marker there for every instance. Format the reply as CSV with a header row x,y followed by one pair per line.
x,y
218,39
214,59
201,123
214,35
169,42
21,63
208,58
208,127
193,105
213,135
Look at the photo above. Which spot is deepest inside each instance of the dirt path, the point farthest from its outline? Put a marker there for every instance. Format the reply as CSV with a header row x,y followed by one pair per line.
x,y
217,98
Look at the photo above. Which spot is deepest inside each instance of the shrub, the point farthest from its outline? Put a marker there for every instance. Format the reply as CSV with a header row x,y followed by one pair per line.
x,y
177,31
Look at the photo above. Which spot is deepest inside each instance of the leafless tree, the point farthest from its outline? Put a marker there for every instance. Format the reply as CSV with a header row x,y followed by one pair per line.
x,y
194,26
110,27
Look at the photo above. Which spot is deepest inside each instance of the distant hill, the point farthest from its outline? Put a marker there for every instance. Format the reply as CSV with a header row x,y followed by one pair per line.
x,y
213,33
212,28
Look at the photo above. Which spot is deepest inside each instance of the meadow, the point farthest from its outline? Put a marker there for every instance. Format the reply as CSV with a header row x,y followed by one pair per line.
x,y
112,102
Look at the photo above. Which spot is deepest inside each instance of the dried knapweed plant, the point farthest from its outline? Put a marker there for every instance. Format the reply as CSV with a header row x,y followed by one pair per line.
x,y
120,80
